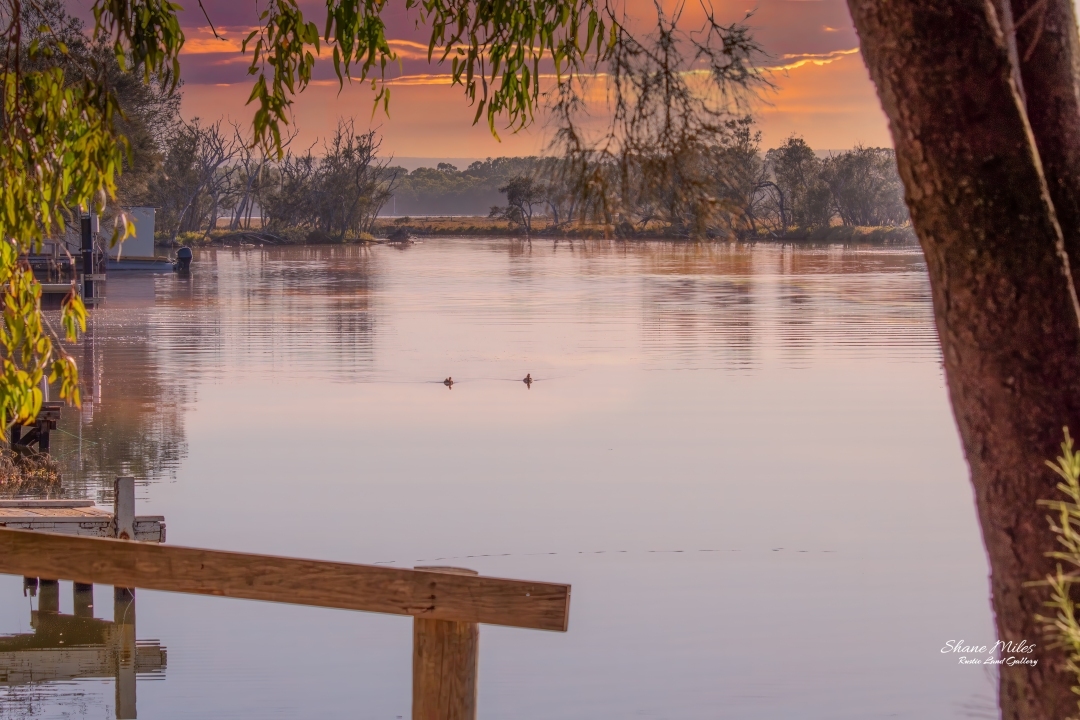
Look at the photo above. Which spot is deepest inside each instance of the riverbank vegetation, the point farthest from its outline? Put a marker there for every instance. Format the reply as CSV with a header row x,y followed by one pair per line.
x,y
25,472
702,175
405,228
349,193
789,192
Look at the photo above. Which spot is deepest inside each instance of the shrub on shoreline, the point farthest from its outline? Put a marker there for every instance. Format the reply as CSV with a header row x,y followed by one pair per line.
x,y
28,473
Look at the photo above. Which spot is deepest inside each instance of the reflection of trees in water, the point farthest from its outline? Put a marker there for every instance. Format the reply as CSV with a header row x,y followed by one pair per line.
x,y
241,313
704,304
132,420
684,318
737,303
307,308
252,311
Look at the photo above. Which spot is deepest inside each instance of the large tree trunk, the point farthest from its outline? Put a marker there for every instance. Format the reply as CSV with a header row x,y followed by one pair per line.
x,y
1048,47
1003,302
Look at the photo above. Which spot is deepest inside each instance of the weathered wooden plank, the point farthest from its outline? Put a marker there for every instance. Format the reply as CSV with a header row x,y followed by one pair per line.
x,y
41,503
84,527
147,529
26,512
370,588
25,517
60,514
150,528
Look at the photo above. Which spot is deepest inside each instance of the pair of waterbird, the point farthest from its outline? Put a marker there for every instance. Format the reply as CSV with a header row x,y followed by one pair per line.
x,y
449,382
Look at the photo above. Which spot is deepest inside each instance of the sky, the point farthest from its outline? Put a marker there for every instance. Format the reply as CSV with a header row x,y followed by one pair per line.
x,y
823,91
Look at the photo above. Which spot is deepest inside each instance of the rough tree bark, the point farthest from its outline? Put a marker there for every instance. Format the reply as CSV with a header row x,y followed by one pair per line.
x,y
1048,47
1004,303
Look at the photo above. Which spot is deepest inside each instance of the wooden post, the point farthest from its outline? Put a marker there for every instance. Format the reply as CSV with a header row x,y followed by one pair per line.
x,y
124,629
124,508
48,596
124,604
83,595
445,658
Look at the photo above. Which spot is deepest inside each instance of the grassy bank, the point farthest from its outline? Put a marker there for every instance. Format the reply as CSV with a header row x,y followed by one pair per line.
x,y
403,228
482,226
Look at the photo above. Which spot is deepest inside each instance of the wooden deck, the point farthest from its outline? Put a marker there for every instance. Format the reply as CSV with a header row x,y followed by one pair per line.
x,y
75,517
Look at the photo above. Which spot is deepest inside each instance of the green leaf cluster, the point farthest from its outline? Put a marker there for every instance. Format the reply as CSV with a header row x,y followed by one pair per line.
x,y
1064,626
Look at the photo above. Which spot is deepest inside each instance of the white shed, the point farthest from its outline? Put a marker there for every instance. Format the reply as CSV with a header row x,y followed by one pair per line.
x,y
140,246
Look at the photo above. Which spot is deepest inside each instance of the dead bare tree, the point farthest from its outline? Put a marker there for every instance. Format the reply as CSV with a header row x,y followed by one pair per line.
x,y
672,95
339,193
203,178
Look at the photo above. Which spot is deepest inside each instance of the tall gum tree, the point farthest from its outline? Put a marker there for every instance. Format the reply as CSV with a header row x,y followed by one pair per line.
x,y
1004,302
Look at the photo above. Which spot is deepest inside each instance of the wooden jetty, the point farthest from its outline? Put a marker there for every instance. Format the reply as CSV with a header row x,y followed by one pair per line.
x,y
446,604
83,517
68,647
38,431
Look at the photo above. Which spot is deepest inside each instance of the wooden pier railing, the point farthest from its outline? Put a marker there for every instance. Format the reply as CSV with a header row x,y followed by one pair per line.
x,y
447,604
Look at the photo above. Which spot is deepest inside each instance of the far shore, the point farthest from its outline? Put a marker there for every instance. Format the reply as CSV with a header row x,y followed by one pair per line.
x,y
403,229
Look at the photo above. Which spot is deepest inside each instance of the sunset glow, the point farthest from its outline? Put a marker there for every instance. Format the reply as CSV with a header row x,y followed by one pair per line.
x,y
822,89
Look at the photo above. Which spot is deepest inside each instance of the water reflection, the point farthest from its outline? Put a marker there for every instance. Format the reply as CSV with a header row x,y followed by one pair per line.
x,y
65,648
132,419
744,306
157,339
749,401
298,312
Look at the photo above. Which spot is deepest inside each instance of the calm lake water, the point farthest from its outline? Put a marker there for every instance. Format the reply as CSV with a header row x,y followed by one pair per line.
x,y
741,457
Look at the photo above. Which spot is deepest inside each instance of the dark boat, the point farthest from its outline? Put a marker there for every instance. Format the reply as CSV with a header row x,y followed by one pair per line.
x,y
182,264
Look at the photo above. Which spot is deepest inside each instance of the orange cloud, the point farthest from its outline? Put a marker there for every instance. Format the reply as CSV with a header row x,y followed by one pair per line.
x,y
409,50
832,105
823,91
797,60
428,120
202,40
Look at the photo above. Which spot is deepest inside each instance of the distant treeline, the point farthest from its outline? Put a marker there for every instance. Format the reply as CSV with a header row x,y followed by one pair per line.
x,y
775,192
447,190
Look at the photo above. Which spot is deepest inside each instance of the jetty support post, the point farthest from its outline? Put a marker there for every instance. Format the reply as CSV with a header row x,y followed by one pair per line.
x,y
124,604
48,596
83,597
445,660
124,508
